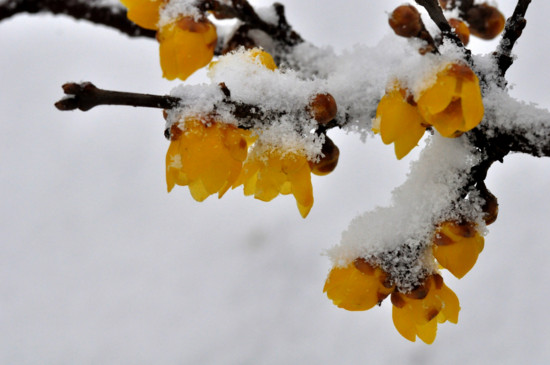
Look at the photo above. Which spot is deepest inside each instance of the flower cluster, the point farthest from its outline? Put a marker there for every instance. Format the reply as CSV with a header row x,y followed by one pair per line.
x,y
360,286
186,43
417,313
481,20
452,104
207,156
211,156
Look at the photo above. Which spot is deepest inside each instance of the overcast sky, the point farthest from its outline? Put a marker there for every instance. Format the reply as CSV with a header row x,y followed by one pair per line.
x,y
99,265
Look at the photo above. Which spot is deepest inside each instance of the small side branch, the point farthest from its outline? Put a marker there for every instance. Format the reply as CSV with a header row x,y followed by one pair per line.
x,y
86,95
512,31
436,14
113,16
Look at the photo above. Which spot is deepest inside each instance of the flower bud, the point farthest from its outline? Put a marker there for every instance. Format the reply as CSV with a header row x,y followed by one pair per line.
x,y
461,30
405,21
327,163
490,207
323,108
486,22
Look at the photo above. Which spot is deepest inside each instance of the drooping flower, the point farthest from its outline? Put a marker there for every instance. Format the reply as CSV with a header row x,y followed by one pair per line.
x,y
457,246
358,286
398,121
206,157
275,171
186,45
452,104
418,312
144,13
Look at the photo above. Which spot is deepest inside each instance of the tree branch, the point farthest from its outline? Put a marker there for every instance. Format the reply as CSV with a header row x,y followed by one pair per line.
x,y
512,31
436,14
86,96
113,16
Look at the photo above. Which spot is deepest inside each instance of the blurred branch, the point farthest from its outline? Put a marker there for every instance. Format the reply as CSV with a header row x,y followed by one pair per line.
x,y
95,11
281,32
512,31
436,14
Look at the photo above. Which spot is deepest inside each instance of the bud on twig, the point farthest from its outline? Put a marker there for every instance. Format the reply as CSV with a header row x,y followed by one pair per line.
x,y
328,162
486,22
323,108
405,21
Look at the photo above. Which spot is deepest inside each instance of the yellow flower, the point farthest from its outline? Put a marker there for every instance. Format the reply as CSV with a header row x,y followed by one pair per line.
x,y
264,58
453,103
358,286
144,13
207,158
418,312
457,246
268,174
186,46
398,121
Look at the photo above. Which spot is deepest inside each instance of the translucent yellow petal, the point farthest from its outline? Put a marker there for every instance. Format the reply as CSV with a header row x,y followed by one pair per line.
x,y
263,58
286,188
449,121
304,209
428,331
302,189
408,139
393,112
438,96
198,191
185,46
403,323
144,13
451,305
350,289
459,257
472,104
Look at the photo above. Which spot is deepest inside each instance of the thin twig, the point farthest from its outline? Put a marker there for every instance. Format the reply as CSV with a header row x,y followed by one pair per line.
x,y
112,16
86,96
512,31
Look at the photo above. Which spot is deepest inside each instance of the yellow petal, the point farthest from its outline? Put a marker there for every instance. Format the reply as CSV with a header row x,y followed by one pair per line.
x,y
438,96
144,13
198,191
403,323
408,139
351,289
428,331
451,305
393,112
449,121
472,104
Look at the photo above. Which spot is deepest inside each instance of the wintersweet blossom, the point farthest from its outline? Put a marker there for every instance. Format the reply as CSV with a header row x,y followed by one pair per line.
x,y
206,157
144,13
358,286
275,171
418,312
457,247
186,45
398,121
452,104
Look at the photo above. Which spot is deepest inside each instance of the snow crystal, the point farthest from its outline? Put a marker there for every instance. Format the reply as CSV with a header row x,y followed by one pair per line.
x,y
507,114
176,8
